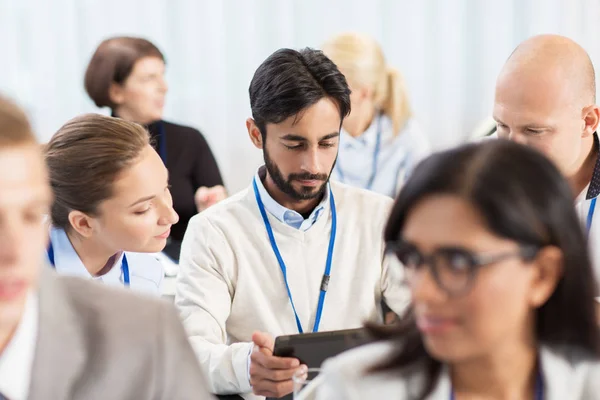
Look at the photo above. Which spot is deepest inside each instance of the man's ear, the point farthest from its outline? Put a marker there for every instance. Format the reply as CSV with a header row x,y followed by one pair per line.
x,y
591,118
254,133
549,271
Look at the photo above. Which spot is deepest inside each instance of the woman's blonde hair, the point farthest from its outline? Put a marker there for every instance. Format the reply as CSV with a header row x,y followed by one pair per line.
x,y
361,60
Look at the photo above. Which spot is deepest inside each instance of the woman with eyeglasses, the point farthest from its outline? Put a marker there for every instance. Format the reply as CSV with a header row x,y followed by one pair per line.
x,y
503,290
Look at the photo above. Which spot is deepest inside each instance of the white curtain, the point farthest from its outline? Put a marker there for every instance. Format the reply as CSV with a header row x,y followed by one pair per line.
x,y
450,52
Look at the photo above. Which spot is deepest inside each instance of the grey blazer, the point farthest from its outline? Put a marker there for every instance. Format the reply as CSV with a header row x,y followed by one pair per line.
x,y
96,342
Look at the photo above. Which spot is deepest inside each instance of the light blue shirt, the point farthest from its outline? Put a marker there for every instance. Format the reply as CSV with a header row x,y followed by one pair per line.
x,y
145,271
397,157
289,217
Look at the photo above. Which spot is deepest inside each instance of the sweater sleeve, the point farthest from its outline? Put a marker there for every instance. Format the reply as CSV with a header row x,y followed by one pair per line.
x,y
206,171
396,293
180,377
204,292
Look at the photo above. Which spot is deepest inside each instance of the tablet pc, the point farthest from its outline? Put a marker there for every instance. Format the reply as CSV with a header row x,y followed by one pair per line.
x,y
312,349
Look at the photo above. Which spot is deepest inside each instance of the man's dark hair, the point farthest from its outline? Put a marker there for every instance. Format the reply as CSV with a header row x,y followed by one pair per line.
x,y
289,81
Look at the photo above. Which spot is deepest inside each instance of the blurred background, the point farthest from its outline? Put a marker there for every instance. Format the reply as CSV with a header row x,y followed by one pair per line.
x,y
449,51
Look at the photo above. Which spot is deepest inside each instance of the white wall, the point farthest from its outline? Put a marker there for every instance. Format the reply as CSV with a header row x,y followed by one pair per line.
x,y
449,50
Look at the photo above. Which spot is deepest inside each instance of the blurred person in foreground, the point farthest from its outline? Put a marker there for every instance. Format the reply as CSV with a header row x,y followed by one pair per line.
x,y
65,337
501,282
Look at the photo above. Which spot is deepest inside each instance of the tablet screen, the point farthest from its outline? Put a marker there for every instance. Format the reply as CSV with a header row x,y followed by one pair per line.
x,y
312,349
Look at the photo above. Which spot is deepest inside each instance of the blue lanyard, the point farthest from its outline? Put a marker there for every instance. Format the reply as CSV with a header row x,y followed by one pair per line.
x,y
124,264
375,159
590,216
162,142
326,275
539,388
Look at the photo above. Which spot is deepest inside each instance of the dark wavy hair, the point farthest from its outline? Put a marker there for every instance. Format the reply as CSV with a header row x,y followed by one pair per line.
x,y
290,81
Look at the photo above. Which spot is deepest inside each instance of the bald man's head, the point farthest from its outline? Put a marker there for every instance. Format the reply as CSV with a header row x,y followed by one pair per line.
x,y
558,57
545,97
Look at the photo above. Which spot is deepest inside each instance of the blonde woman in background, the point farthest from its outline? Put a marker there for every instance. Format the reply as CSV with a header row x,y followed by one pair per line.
x,y
380,141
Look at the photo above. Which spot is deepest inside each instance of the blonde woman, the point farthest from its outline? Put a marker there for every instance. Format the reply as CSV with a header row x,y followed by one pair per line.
x,y
380,141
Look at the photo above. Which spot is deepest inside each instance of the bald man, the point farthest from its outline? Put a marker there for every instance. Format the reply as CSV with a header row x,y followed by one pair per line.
x,y
546,98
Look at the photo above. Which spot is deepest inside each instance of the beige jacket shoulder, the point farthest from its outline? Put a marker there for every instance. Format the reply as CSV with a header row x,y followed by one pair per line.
x,y
97,342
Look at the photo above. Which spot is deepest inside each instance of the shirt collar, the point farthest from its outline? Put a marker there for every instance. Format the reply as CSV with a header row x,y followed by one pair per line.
x,y
67,261
16,361
285,215
594,188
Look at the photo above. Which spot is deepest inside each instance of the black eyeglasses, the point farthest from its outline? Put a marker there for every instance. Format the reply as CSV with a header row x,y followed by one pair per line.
x,y
453,268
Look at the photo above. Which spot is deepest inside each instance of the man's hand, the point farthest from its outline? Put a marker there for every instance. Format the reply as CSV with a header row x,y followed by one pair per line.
x,y
271,376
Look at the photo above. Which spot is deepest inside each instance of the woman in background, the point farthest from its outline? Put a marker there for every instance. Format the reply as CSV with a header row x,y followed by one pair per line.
x,y
502,287
111,203
126,74
380,141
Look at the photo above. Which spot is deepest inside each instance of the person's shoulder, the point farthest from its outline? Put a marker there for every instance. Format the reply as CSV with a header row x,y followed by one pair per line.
x,y
591,370
573,359
570,371
129,337
569,354
352,372
183,131
110,311
360,360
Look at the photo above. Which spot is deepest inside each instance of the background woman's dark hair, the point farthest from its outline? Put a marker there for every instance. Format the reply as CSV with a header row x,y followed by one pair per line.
x,y
521,196
113,62
85,157
289,81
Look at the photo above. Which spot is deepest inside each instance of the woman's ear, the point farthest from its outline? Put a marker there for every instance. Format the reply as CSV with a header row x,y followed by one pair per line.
x,y
116,93
81,223
548,266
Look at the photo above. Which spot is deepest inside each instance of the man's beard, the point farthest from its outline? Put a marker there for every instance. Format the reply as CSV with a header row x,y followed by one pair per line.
x,y
306,193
